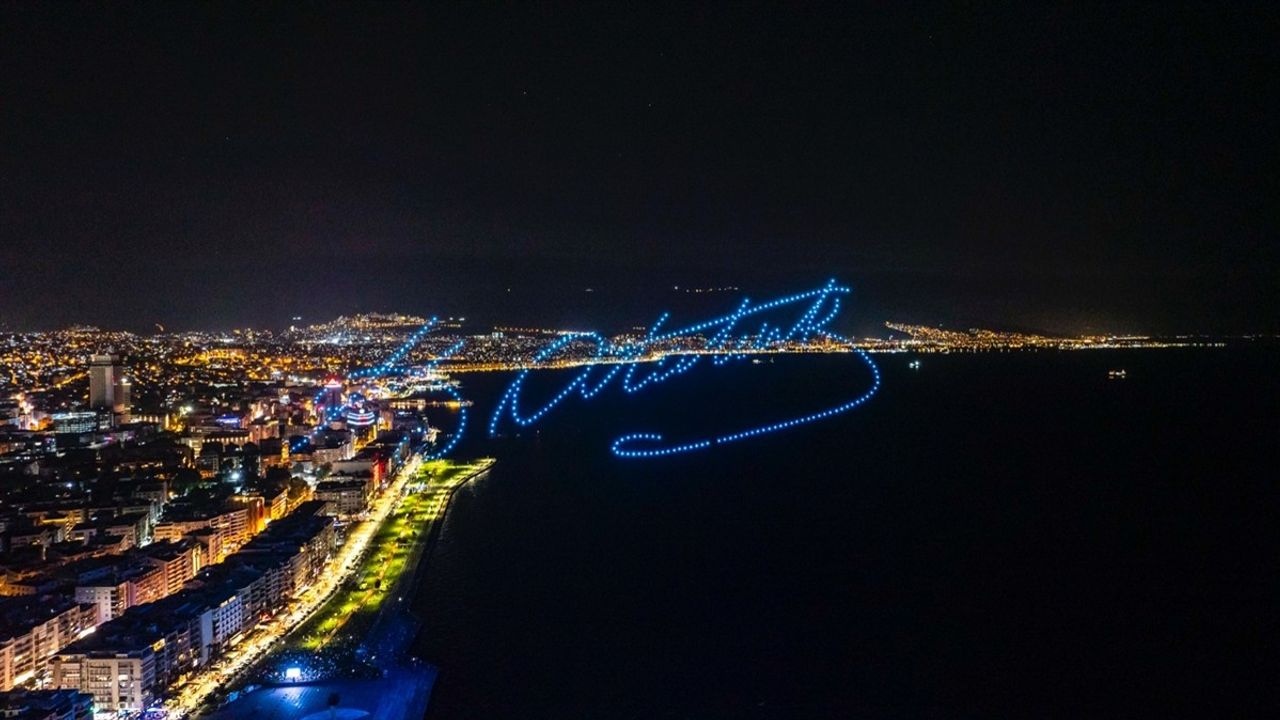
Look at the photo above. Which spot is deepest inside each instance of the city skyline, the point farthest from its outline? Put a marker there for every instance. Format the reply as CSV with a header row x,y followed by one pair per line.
x,y
611,321
724,359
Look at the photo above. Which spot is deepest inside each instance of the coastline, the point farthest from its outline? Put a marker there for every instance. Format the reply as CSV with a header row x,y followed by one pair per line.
x,y
404,689
413,574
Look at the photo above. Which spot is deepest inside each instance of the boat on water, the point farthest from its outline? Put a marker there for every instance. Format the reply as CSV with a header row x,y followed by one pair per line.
x,y
1119,374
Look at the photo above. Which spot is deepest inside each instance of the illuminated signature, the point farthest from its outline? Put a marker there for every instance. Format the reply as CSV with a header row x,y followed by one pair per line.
x,y
725,342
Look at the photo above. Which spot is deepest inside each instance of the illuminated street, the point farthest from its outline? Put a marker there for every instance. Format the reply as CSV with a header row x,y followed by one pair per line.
x,y
393,545
422,507
595,361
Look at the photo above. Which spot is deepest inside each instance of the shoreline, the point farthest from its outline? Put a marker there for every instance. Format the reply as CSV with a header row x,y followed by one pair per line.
x,y
388,639
413,575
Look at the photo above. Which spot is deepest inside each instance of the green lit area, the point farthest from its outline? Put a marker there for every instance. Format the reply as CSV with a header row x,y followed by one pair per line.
x,y
351,611
361,625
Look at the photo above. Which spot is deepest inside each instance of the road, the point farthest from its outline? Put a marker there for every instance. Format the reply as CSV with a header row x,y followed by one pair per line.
x,y
406,685
188,697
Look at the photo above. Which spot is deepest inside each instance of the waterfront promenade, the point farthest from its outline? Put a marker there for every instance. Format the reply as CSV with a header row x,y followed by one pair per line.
x,y
365,625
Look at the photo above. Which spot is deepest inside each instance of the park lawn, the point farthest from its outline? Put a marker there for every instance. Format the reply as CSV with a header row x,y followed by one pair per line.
x,y
353,608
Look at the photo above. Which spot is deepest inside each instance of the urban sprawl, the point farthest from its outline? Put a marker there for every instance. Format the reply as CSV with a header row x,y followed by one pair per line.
x,y
175,504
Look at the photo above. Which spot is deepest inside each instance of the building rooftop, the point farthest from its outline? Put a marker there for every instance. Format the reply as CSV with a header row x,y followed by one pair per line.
x,y
19,614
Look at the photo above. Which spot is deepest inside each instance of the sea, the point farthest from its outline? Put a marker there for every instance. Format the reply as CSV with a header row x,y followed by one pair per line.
x,y
992,535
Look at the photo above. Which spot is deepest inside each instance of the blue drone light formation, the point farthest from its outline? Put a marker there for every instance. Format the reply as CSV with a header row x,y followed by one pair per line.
x,y
627,359
388,366
462,406
823,308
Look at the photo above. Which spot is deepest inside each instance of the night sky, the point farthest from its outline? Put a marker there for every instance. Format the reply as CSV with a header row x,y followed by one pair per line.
x,y
1042,166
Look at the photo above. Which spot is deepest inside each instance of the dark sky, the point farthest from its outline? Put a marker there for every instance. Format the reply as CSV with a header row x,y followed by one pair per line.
x,y
1053,166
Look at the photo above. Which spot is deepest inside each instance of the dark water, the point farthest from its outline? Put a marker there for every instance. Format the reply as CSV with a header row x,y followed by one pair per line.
x,y
993,535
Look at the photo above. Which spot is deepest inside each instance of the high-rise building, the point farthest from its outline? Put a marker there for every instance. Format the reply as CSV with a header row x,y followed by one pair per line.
x,y
124,393
109,389
103,371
